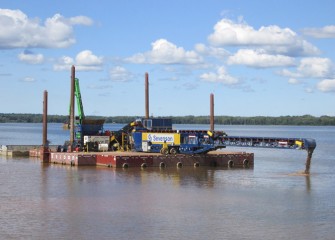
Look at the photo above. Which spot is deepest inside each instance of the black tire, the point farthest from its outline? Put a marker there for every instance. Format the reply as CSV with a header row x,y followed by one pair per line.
x,y
173,151
165,151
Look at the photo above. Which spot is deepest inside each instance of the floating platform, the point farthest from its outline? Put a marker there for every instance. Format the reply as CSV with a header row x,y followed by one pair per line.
x,y
140,159
23,150
134,159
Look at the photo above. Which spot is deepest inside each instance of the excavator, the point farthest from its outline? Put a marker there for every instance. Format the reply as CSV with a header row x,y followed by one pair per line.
x,y
85,127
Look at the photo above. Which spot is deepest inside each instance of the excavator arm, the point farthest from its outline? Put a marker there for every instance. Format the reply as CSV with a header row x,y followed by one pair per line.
x,y
80,107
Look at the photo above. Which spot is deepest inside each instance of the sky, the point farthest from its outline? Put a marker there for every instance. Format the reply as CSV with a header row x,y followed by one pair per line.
x,y
258,58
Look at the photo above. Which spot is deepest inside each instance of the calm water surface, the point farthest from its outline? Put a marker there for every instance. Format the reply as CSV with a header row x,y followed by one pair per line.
x,y
270,201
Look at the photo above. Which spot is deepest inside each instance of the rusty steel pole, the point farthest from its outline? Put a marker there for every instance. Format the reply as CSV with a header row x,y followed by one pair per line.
x,y
45,120
73,75
44,151
146,95
212,112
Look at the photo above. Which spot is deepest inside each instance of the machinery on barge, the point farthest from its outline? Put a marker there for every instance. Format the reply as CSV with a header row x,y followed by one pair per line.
x,y
157,136
137,136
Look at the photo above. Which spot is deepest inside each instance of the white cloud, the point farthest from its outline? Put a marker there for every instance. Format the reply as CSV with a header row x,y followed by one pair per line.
x,y
272,38
316,67
84,61
165,52
219,53
64,64
18,31
290,74
220,76
31,58
312,68
120,74
293,81
260,59
81,20
325,32
327,85
87,58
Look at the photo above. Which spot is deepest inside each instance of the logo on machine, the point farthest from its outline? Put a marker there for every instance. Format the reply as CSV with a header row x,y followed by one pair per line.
x,y
158,137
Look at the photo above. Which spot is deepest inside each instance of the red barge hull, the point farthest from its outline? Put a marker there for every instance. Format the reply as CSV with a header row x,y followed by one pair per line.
x,y
138,159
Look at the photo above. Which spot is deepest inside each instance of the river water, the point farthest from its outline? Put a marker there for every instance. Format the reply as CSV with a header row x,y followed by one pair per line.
x,y
270,201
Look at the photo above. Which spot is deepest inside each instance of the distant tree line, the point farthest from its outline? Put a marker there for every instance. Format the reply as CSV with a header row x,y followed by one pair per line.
x,y
30,118
305,120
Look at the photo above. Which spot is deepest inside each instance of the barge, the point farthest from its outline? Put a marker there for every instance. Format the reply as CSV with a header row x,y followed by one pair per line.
x,y
140,159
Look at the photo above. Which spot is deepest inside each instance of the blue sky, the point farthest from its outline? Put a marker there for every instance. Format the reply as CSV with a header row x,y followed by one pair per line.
x,y
269,58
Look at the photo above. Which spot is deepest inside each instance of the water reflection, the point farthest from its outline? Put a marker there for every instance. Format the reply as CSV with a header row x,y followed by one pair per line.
x,y
60,201
125,202
193,176
200,177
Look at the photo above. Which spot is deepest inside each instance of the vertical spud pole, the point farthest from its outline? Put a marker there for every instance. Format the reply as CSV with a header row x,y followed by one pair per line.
x,y
45,119
212,112
73,72
146,83
45,153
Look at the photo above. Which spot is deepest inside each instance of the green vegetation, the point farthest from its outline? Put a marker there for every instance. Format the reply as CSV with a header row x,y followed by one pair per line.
x,y
305,120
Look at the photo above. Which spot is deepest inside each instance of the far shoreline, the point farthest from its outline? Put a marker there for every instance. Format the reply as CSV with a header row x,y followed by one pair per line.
x,y
304,120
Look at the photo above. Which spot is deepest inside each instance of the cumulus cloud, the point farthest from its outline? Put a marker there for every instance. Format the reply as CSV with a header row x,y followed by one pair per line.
x,y
290,74
216,52
260,59
30,57
87,58
220,76
327,85
80,20
84,61
293,81
312,68
272,38
17,30
64,64
324,32
165,52
316,67
120,74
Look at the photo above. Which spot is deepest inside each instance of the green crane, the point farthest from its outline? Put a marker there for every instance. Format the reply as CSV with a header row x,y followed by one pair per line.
x,y
80,107
83,126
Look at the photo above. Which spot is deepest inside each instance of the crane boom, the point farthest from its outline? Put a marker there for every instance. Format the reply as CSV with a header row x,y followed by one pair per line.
x,y
80,107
